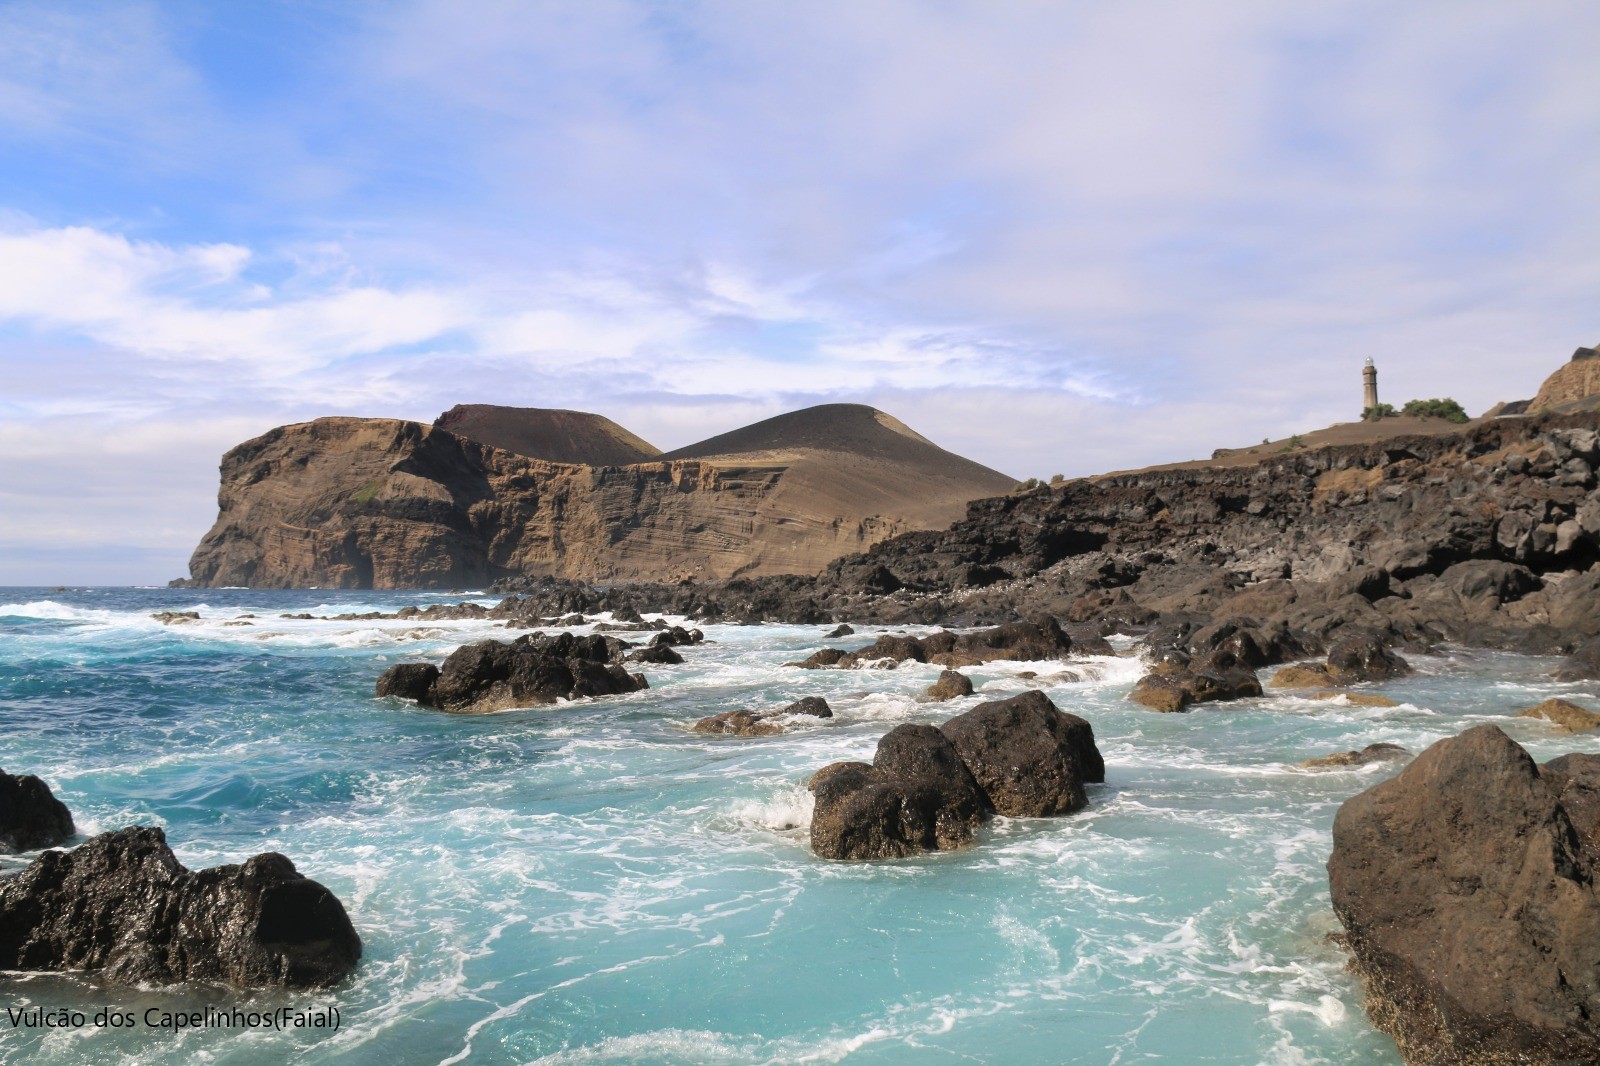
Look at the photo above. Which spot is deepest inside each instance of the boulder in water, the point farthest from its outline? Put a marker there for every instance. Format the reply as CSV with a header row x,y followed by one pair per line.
x,y
120,906
30,815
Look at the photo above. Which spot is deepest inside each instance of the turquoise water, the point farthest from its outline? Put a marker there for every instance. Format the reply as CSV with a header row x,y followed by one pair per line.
x,y
594,884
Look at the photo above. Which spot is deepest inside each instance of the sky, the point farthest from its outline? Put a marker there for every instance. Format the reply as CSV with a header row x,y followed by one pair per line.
x,y
1054,237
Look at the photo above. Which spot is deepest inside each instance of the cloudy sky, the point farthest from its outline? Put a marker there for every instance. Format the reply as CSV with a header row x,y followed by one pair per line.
x,y
1055,237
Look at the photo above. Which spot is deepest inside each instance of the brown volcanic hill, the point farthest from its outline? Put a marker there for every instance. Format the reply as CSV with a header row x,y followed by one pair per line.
x,y
550,434
1567,388
382,503
848,461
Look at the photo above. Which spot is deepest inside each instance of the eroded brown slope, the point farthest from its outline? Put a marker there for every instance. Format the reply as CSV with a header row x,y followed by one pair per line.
x,y
383,503
548,433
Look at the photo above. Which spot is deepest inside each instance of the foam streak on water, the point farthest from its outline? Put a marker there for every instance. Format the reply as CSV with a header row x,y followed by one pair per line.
x,y
594,884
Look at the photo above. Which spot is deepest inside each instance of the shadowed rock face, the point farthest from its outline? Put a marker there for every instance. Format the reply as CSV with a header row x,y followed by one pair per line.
x,y
1470,906
383,503
122,907
533,670
1028,757
927,789
745,723
30,815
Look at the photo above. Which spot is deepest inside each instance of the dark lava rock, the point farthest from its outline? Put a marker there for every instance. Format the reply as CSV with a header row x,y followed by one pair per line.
x,y
1170,688
180,618
1370,754
120,906
820,660
660,654
409,681
916,796
843,630
1039,638
533,670
1471,908
1364,657
1583,664
30,815
762,723
951,685
677,636
1027,756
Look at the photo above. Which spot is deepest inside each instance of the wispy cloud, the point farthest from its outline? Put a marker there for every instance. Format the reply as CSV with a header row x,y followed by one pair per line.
x,y
1053,236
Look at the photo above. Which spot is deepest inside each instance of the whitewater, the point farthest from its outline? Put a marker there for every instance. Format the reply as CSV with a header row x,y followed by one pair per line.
x,y
593,883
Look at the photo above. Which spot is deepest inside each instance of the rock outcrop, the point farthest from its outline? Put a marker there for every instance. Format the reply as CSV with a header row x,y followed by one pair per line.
x,y
1038,638
1470,906
574,437
382,503
532,671
1575,382
744,723
121,907
1568,715
30,815
950,686
927,789
1372,753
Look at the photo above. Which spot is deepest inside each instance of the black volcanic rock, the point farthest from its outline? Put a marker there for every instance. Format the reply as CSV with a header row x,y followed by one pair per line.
x,y
1026,755
927,789
951,685
1470,907
30,815
744,723
916,796
533,670
120,906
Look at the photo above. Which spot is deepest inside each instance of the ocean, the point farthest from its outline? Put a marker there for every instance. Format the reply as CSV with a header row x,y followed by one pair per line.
x,y
592,883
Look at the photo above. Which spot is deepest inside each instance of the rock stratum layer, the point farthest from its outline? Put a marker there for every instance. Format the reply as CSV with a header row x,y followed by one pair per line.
x,y
384,503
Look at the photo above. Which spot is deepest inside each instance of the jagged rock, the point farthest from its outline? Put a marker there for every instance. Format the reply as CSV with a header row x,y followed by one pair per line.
x,y
676,636
1576,777
121,907
843,630
1471,909
762,723
409,681
1370,754
1583,664
1029,758
1355,658
661,654
1171,688
533,670
916,796
1567,715
30,815
180,618
821,660
951,685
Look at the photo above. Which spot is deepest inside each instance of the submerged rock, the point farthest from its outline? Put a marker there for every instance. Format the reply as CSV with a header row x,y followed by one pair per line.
x,y
1173,687
1471,909
533,670
1357,658
1370,754
121,906
179,618
841,630
951,685
30,815
1566,714
928,788
745,723
1583,664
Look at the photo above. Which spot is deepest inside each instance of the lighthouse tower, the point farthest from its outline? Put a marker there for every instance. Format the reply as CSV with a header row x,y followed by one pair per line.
x,y
1369,386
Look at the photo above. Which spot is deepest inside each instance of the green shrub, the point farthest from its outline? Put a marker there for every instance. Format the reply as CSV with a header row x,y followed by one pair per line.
x,y
1056,479
1382,410
1446,409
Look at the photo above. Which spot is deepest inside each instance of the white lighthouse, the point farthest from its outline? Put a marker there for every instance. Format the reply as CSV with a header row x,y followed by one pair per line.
x,y
1369,386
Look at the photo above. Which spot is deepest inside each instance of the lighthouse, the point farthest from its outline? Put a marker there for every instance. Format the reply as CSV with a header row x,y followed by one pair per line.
x,y
1369,386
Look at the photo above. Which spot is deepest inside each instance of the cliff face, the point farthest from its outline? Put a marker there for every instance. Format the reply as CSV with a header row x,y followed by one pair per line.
x,y
382,503
1578,380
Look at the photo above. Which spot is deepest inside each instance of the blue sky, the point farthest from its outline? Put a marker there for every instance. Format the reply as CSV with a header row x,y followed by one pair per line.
x,y
1054,237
